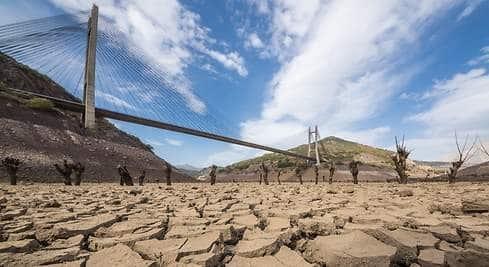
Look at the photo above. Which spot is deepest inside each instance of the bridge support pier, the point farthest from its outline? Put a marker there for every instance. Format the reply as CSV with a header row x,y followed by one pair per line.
x,y
313,134
89,84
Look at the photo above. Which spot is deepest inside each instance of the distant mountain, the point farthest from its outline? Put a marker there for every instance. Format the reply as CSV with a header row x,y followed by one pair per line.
x,y
188,167
189,170
436,164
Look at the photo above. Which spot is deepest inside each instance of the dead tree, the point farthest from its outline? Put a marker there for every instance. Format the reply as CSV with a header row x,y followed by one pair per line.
x,y
168,173
279,172
463,155
332,169
354,170
298,172
400,161
120,170
212,174
126,178
264,171
12,166
141,178
65,171
316,173
78,169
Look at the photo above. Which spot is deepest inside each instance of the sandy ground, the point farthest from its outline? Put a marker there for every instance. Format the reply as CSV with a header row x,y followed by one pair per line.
x,y
245,225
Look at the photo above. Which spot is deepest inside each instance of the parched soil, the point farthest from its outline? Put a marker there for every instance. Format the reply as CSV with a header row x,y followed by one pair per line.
x,y
245,224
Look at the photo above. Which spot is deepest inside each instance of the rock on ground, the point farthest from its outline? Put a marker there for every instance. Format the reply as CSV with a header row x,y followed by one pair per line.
x,y
120,255
475,205
431,257
407,242
466,257
352,249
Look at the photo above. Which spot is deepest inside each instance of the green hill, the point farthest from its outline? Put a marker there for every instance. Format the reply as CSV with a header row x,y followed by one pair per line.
x,y
331,149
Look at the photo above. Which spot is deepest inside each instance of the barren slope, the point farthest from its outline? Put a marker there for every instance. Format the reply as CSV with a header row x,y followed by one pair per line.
x,y
44,137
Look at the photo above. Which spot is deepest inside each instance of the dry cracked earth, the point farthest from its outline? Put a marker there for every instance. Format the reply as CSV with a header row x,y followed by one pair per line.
x,y
245,225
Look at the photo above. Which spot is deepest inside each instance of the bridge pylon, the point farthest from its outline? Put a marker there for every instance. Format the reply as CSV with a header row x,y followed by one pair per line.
x,y
312,141
89,82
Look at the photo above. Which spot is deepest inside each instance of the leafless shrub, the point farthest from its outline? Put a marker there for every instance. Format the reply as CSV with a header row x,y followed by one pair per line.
x,y
400,161
65,170
78,169
12,166
332,169
464,154
354,170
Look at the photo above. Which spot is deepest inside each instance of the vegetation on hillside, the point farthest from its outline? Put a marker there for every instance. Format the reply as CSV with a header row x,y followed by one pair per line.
x,y
40,104
332,149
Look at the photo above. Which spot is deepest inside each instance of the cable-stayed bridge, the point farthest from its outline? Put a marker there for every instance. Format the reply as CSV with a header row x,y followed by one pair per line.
x,y
94,61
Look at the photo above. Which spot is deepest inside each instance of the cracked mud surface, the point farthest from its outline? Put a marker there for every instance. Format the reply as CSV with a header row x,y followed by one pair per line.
x,y
245,225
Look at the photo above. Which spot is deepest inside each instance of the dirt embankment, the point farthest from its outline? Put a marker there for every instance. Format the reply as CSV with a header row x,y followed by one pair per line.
x,y
41,138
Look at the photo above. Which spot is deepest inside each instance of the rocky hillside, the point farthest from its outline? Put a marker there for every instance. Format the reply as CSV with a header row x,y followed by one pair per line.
x,y
478,172
332,148
41,135
376,163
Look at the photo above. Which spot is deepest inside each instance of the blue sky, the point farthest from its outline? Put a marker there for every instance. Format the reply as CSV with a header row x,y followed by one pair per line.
x,y
269,69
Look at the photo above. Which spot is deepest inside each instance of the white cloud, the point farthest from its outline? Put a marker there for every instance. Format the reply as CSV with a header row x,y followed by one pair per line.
x,y
165,33
253,41
483,59
230,60
343,70
471,5
273,133
458,81
459,104
444,148
231,155
291,21
168,141
437,149
262,6
173,142
208,67
372,137
115,100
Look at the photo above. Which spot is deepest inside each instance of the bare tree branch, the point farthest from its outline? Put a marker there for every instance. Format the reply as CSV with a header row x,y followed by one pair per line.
x,y
458,145
484,148
464,154
471,151
399,159
465,143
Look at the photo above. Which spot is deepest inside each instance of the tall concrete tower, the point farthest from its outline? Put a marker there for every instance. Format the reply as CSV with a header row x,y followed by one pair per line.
x,y
89,85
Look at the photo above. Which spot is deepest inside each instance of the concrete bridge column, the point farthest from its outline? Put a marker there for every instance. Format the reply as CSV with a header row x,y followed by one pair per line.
x,y
89,85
